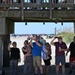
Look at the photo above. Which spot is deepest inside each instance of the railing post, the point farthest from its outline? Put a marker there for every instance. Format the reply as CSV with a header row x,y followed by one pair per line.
x,y
50,2
22,3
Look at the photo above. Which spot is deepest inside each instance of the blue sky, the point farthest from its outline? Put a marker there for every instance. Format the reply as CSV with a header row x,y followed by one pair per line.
x,y
39,28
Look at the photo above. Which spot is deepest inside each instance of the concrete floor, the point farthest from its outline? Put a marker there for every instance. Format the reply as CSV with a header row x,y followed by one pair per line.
x,y
51,71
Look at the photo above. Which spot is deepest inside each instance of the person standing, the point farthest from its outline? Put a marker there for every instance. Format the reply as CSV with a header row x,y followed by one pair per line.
x,y
72,53
38,2
24,47
46,53
33,1
28,61
36,53
55,1
14,58
60,47
24,50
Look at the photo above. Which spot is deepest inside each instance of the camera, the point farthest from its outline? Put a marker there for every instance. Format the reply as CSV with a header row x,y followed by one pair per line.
x,y
56,37
29,37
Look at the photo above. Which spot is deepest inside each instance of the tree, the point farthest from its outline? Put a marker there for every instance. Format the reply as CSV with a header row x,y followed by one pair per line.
x,y
67,35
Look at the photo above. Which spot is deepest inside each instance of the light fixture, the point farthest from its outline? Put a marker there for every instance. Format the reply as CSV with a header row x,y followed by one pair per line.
x,y
25,23
56,21
43,23
62,23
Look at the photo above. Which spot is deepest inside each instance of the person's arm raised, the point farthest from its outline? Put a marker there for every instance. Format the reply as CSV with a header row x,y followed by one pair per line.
x,y
52,42
9,49
31,41
38,43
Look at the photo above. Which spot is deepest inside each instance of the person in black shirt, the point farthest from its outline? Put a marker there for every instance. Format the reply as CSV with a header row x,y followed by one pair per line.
x,y
14,58
72,53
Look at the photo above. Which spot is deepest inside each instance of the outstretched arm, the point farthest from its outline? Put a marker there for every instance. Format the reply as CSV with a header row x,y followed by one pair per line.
x,y
38,43
31,42
9,49
52,42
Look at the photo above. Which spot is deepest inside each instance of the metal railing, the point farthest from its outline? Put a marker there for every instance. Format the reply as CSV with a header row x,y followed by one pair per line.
x,y
39,4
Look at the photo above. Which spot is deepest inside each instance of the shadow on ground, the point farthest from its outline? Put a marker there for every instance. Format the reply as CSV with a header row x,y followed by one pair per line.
x,y
51,71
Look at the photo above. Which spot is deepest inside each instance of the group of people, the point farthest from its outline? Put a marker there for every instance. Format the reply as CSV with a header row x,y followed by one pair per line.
x,y
32,1
32,55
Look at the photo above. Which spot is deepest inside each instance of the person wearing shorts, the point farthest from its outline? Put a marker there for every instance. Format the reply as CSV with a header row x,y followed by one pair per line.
x,y
46,52
36,53
60,47
72,54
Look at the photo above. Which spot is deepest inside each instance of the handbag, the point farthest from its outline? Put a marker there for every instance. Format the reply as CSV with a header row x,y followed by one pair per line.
x,y
50,57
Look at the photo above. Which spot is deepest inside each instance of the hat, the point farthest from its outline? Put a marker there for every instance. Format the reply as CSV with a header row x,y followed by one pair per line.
x,y
59,37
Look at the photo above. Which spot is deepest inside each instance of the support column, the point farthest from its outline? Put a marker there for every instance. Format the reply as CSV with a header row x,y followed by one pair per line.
x,y
6,28
1,54
74,27
6,58
9,28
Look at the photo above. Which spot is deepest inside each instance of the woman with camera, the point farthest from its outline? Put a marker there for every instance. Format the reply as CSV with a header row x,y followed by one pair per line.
x,y
47,57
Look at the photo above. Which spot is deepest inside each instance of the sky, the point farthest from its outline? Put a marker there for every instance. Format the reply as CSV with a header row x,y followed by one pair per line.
x,y
40,28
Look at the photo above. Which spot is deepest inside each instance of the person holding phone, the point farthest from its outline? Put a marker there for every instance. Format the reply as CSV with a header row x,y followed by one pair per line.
x,y
36,53
60,48
46,53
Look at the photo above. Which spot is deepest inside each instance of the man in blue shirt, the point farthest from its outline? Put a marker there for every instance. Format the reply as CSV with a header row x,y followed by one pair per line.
x,y
36,52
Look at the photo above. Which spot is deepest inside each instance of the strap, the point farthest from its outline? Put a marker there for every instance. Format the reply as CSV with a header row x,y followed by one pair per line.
x,y
44,51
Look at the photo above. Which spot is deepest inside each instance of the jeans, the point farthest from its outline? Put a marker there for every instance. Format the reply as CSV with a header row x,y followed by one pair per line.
x,y
28,65
13,67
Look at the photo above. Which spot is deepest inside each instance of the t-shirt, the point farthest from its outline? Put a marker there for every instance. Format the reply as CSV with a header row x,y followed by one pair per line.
x,y
72,49
15,53
44,51
62,46
36,51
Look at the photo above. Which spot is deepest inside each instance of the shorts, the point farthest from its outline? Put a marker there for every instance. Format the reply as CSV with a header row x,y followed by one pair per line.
x,y
59,59
47,62
37,61
72,59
